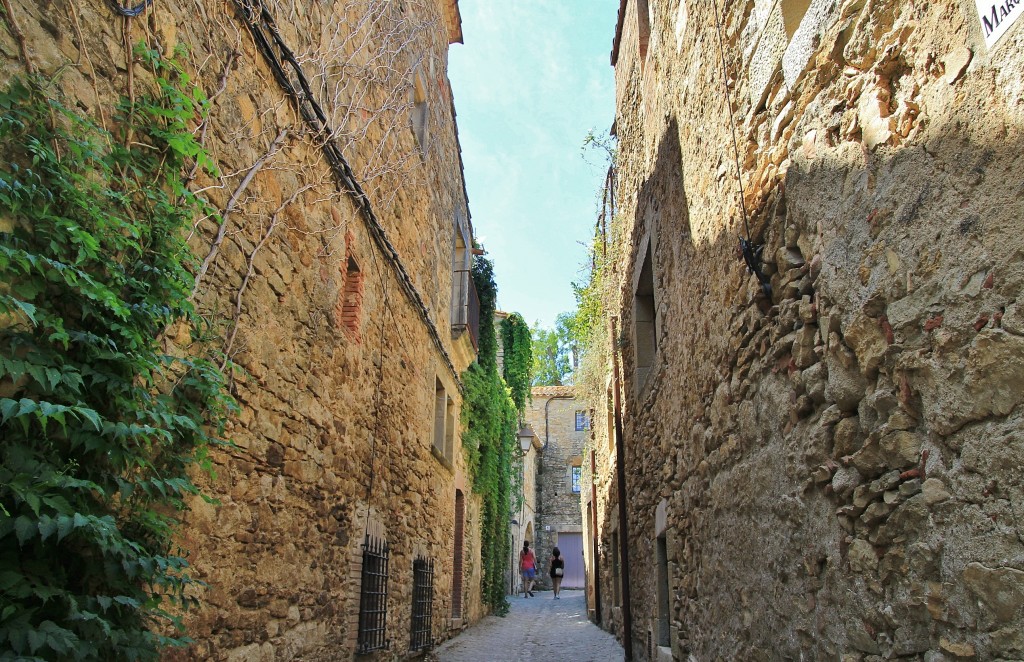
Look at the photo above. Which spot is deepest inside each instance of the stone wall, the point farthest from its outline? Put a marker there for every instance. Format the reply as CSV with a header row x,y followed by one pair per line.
x,y
524,508
552,415
838,463
337,364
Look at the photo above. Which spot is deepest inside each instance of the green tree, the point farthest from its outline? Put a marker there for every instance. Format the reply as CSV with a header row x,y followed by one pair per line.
x,y
555,352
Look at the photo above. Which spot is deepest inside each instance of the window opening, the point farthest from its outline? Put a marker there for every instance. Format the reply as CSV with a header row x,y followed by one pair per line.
x,y
419,112
577,473
440,415
616,594
663,620
449,429
460,516
643,20
645,321
611,426
582,420
465,310
373,596
422,603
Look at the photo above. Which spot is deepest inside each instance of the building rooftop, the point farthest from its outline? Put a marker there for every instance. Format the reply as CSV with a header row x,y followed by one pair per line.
x,y
453,21
548,391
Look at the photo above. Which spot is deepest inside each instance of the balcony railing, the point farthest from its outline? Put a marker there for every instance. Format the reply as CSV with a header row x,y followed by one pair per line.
x,y
465,306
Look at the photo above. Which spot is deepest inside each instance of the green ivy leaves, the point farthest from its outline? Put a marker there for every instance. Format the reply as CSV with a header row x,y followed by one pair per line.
x,y
490,423
518,358
101,419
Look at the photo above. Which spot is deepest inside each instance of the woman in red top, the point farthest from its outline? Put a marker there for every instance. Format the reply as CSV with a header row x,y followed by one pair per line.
x,y
527,566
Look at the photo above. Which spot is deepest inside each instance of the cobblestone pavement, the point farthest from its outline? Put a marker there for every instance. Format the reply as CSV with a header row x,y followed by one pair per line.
x,y
536,629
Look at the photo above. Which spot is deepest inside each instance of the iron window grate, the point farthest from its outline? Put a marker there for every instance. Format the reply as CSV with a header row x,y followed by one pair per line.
x,y
422,603
373,596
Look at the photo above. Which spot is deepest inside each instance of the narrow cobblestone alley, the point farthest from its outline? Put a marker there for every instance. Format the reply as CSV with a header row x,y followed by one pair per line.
x,y
536,629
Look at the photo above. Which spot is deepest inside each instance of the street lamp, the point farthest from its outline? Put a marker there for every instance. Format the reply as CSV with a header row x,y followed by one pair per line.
x,y
526,437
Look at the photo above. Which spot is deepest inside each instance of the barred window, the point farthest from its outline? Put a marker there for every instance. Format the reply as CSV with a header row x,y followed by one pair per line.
x,y
577,473
373,596
422,603
582,420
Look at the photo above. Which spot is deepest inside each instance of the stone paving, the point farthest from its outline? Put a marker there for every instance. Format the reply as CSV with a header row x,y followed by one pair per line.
x,y
537,629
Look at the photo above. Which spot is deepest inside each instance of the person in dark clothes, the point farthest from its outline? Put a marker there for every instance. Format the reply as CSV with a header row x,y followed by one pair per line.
x,y
556,571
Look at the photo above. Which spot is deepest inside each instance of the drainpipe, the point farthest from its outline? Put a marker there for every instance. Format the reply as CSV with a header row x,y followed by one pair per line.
x,y
620,474
593,530
546,404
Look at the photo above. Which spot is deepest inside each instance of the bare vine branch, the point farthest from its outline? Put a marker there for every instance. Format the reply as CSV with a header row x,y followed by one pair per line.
x,y
232,205
250,262
19,36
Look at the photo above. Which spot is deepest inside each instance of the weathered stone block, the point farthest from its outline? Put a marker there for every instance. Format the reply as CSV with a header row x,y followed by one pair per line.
x,y
846,437
934,491
862,556
865,336
901,449
1000,590
801,48
992,382
766,59
846,385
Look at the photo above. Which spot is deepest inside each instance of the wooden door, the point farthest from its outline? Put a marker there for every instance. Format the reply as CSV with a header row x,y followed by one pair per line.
x,y
571,546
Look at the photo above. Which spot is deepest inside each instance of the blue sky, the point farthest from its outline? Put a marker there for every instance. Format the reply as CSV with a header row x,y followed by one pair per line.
x,y
532,78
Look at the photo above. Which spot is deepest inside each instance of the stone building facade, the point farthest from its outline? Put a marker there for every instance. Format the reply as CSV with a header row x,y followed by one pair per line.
x,y
562,427
338,279
524,505
829,469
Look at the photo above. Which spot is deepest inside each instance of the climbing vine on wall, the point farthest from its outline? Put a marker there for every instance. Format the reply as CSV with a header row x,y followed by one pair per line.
x,y
490,421
107,396
517,345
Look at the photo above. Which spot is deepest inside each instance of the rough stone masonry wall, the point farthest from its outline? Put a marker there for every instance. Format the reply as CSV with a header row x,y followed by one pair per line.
x,y
598,487
330,400
557,506
841,464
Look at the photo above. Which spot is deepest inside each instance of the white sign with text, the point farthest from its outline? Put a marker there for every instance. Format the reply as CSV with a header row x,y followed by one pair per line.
x,y
997,16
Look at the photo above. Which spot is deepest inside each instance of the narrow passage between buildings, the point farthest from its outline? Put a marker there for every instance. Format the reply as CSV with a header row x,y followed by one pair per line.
x,y
538,628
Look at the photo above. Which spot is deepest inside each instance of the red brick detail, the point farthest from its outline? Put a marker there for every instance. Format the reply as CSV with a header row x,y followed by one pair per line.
x,y
348,311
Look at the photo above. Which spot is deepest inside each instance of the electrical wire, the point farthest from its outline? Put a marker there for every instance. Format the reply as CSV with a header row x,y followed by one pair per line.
x,y
130,12
276,53
752,253
732,119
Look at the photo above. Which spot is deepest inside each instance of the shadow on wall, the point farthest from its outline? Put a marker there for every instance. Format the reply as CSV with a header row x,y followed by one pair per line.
x,y
835,443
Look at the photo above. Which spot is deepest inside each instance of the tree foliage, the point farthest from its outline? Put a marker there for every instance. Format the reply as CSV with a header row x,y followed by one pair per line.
x,y
555,352
518,352
584,331
100,421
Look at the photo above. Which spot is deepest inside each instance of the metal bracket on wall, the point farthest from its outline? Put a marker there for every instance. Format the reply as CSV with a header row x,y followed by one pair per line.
x,y
752,256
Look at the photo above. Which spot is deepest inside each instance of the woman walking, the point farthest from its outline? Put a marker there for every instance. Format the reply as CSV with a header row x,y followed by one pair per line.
x,y
556,571
527,566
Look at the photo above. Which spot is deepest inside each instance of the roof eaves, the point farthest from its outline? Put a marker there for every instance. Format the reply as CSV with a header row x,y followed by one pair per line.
x,y
618,31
